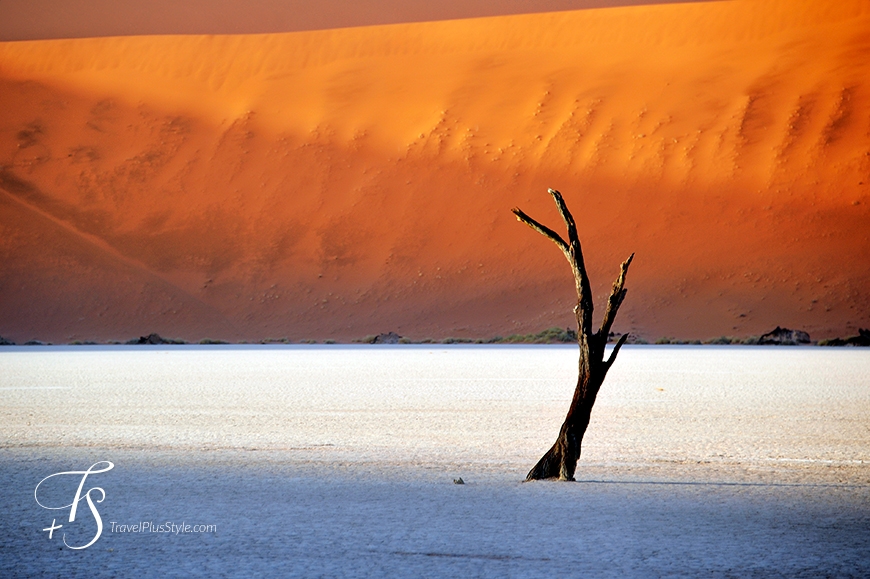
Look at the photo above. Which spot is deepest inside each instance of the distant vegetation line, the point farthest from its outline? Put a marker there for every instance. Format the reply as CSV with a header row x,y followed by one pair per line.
x,y
554,335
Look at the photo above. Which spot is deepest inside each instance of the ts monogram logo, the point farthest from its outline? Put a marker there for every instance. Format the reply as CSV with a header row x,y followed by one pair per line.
x,y
73,506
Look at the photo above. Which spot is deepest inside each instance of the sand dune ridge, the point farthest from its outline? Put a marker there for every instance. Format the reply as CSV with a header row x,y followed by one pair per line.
x,y
344,182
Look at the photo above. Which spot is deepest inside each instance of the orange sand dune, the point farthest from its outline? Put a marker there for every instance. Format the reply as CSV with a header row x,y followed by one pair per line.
x,y
338,183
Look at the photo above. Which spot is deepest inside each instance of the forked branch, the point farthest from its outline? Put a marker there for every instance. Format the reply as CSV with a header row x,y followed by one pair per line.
x,y
617,294
573,238
545,231
612,358
574,254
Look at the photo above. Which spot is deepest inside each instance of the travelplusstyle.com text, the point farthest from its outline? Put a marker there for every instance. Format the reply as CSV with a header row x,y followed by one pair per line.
x,y
167,527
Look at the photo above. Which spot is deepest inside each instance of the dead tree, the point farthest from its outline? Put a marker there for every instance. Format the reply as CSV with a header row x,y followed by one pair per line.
x,y
561,460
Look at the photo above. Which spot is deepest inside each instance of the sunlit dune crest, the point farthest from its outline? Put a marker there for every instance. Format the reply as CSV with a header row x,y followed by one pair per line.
x,y
339,183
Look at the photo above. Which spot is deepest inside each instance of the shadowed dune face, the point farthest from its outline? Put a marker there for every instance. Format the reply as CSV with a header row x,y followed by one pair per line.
x,y
347,182
44,19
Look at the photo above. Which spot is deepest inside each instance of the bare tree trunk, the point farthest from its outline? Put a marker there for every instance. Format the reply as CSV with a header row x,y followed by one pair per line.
x,y
561,460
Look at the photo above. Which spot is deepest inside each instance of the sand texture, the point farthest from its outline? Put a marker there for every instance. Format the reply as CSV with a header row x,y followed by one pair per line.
x,y
338,183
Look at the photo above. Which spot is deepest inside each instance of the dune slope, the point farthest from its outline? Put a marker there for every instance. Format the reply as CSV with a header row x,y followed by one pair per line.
x,y
338,183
